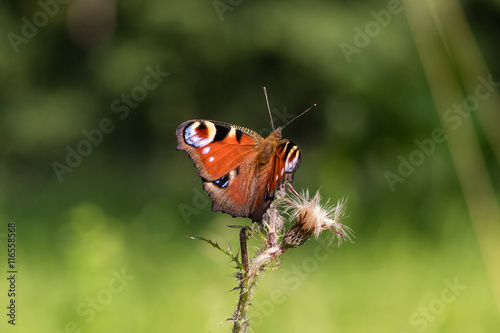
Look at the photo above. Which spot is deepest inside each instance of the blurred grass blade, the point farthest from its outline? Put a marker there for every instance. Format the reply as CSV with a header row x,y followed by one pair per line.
x,y
437,51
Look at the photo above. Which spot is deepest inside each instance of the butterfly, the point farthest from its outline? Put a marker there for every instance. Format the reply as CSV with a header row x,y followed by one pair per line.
x,y
240,170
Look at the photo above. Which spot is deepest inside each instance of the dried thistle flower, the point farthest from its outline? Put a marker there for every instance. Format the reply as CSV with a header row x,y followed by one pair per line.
x,y
312,218
264,258
273,224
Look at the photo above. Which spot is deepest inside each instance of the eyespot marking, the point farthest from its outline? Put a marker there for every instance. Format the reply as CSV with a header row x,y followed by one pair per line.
x,y
222,182
199,133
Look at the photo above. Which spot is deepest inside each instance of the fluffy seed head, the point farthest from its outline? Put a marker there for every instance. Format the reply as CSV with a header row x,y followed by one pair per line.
x,y
312,218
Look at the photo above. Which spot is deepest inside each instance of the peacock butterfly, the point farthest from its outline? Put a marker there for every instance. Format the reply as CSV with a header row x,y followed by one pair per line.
x,y
240,170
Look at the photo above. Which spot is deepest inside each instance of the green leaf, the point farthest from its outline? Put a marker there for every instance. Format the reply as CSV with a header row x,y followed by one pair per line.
x,y
227,252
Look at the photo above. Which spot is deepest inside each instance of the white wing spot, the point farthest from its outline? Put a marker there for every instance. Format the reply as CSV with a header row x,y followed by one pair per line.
x,y
211,159
205,150
282,171
276,177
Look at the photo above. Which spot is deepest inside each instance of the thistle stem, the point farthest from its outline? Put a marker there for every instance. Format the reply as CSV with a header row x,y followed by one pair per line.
x,y
243,246
240,313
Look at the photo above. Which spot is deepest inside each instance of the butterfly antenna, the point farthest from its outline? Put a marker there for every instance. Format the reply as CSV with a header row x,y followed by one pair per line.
x,y
268,108
299,115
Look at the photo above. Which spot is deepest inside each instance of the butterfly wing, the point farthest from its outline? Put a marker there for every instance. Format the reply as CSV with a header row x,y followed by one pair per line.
x,y
281,168
286,162
224,155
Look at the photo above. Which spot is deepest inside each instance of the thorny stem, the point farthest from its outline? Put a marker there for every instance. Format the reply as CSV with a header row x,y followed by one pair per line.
x,y
239,316
243,245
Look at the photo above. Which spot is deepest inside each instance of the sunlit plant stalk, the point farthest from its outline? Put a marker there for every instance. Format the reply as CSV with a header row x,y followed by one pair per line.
x,y
311,218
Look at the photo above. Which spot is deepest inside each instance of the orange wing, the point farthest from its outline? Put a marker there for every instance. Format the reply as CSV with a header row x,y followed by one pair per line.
x,y
224,155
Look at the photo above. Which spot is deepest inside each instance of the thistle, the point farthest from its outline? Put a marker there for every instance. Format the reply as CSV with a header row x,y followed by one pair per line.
x,y
311,218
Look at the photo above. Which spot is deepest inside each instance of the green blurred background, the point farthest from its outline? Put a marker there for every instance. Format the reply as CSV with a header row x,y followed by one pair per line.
x,y
101,238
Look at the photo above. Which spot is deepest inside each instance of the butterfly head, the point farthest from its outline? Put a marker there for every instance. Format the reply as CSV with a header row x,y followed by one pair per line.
x,y
276,134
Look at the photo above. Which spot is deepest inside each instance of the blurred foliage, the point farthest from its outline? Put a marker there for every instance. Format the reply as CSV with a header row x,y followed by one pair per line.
x,y
119,206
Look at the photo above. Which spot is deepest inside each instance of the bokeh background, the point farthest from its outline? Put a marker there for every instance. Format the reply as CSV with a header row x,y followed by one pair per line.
x,y
102,224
